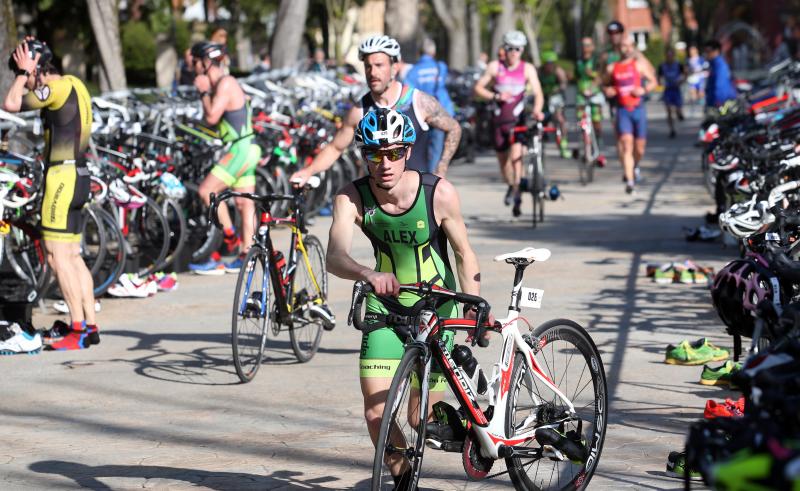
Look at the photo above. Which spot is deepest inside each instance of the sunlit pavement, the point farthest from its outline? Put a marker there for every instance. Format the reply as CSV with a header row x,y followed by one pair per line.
x,y
158,405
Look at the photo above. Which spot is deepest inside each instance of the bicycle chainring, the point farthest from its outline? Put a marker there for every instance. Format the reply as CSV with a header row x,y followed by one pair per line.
x,y
476,465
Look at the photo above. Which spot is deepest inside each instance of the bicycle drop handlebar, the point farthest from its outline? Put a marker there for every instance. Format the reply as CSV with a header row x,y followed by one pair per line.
x,y
429,293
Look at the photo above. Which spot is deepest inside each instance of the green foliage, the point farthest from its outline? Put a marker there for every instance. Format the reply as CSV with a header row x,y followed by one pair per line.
x,y
138,46
655,51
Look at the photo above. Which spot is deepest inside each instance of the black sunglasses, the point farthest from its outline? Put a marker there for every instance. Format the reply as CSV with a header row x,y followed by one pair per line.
x,y
512,48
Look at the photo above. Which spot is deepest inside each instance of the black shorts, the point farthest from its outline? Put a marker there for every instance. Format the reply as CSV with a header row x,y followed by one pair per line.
x,y
66,191
503,132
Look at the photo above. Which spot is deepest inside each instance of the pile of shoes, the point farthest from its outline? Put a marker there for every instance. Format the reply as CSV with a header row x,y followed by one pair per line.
x,y
687,273
130,285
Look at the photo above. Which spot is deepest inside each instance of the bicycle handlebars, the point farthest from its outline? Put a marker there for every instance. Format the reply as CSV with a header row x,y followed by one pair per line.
x,y
429,293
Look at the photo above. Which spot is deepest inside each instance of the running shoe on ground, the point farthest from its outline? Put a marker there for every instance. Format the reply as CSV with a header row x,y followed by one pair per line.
x,y
727,409
14,341
702,234
74,340
637,174
676,466
131,286
57,331
516,210
565,153
325,211
61,306
664,274
165,282
630,188
720,375
509,196
231,244
685,275
235,265
600,161
208,268
697,353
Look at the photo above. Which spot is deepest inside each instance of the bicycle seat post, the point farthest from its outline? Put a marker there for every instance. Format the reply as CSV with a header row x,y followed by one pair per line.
x,y
519,272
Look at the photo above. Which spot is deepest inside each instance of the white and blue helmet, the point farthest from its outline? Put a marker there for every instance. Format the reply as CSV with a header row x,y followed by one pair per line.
x,y
379,44
383,127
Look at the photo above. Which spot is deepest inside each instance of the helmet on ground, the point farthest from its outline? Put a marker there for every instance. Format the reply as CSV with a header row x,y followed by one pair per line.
x,y
615,27
379,44
212,51
549,57
515,38
737,290
383,127
34,46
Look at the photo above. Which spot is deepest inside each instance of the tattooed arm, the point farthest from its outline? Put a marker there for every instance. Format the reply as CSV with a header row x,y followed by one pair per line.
x,y
434,114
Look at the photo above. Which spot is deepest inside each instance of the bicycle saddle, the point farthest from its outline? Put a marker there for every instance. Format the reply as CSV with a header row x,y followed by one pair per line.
x,y
528,254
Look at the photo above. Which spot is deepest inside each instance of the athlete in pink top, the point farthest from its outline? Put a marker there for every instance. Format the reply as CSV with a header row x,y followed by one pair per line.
x,y
628,80
510,81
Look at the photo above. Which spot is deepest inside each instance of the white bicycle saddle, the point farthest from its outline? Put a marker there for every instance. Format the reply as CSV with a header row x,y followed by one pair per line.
x,y
528,254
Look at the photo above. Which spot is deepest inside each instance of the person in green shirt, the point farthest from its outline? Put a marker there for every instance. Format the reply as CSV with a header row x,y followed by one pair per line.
x,y
554,83
587,73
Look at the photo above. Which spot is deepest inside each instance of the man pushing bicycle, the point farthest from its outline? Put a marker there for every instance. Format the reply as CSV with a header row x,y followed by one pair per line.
x,y
409,217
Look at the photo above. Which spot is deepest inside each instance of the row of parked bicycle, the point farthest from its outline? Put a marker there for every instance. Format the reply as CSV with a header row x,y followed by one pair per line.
x,y
148,152
752,167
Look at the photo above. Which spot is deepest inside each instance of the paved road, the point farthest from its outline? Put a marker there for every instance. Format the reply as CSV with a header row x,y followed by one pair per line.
x,y
157,404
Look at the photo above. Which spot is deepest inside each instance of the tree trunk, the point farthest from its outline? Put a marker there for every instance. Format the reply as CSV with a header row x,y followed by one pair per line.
x,y
105,25
453,14
166,60
8,39
288,37
531,17
474,32
337,17
504,22
401,22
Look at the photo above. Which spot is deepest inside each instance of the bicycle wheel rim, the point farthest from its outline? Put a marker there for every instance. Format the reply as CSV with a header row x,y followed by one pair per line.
x,y
173,212
306,332
400,447
570,359
116,255
252,304
149,237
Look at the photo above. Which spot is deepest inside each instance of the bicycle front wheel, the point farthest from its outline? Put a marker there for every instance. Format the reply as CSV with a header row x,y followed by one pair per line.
x,y
310,288
401,441
252,305
569,358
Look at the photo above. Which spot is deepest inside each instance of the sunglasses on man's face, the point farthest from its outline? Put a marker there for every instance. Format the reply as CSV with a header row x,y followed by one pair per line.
x,y
513,48
376,155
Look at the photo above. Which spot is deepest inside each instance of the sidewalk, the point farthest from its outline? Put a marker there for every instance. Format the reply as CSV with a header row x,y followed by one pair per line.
x,y
157,404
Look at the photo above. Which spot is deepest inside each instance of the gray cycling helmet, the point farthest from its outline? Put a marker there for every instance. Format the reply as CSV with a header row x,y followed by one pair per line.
x,y
515,38
379,44
34,46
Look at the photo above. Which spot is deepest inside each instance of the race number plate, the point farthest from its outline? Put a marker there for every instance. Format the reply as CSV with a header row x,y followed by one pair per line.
x,y
531,298
5,228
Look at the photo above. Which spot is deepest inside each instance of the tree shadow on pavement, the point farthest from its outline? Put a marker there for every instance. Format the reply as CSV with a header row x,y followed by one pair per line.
x,y
160,477
206,365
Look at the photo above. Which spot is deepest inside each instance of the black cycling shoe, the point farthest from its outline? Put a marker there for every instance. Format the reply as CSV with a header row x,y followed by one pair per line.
x,y
516,211
323,313
562,447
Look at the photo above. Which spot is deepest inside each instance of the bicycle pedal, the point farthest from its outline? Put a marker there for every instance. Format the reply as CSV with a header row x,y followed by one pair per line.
x,y
553,453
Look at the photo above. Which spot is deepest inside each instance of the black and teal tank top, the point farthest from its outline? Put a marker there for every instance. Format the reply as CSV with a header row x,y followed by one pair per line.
x,y
410,244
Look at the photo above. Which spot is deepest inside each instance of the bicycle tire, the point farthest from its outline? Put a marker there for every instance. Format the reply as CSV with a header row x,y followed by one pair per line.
x,y
393,414
569,338
305,339
202,239
148,237
178,230
93,239
116,254
595,154
24,250
252,310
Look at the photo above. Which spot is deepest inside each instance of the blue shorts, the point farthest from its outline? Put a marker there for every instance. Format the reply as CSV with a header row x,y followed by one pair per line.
x,y
632,122
672,97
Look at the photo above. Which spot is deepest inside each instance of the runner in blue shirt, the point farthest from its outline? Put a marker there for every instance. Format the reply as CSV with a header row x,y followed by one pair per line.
x,y
719,87
672,74
429,76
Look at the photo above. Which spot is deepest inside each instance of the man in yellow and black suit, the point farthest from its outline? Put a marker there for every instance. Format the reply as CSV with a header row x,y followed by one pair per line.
x,y
67,114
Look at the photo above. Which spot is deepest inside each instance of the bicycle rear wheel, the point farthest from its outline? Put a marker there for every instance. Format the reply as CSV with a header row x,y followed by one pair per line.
x,y
148,237
310,287
115,256
401,441
252,309
567,356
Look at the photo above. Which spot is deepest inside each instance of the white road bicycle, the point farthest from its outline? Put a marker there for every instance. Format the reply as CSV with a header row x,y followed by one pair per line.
x,y
545,408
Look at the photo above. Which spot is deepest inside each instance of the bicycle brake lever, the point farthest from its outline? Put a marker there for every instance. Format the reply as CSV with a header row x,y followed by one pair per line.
x,y
210,214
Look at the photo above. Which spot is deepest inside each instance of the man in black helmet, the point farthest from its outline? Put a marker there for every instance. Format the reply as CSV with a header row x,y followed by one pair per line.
x,y
67,113
226,106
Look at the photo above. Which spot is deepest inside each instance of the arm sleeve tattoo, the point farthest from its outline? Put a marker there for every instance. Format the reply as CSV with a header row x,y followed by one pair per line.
x,y
437,117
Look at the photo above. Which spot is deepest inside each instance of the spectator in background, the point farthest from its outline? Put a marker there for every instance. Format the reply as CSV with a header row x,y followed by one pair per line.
x,y
483,60
672,73
698,72
430,76
185,69
219,35
264,63
318,62
719,86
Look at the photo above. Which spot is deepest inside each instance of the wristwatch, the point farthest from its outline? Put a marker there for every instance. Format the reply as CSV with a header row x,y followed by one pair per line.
x,y
25,73
205,93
